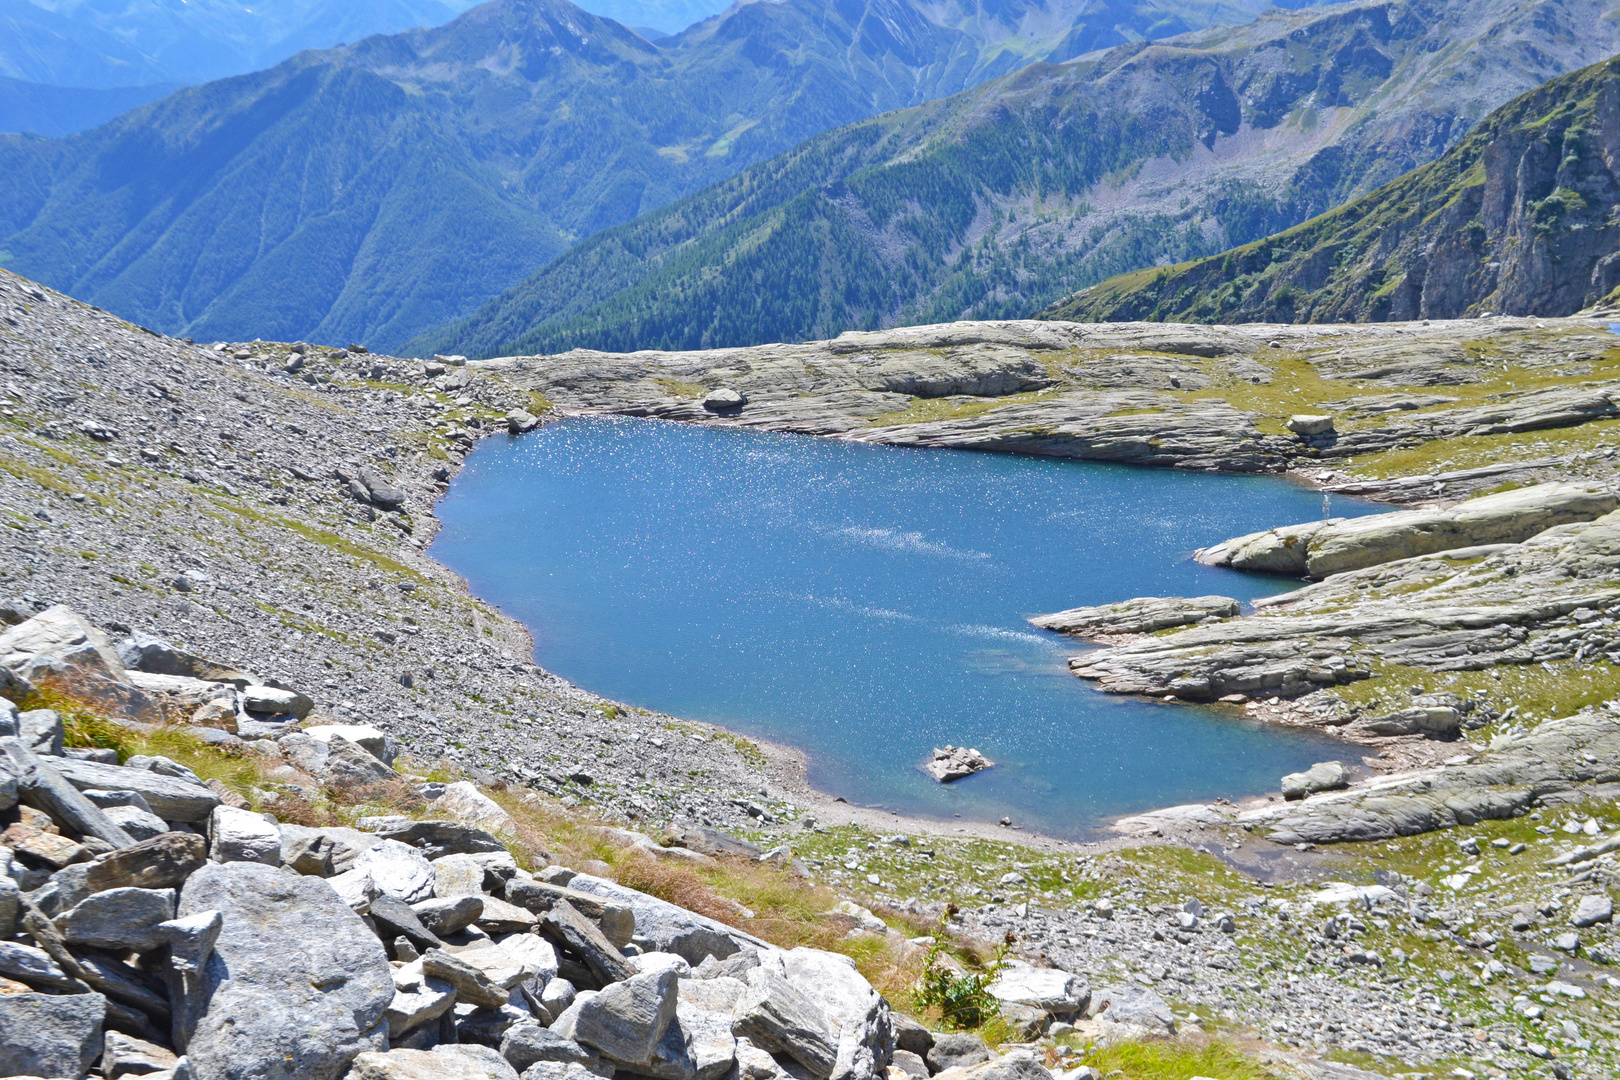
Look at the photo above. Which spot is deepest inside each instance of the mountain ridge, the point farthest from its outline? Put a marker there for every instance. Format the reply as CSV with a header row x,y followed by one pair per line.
x,y
1272,123
281,203
1519,218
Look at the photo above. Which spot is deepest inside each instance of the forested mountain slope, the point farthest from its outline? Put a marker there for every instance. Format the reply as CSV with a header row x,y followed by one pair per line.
x,y
372,191
1014,194
1521,218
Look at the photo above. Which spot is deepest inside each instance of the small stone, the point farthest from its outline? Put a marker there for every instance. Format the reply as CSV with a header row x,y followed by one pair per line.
x,y
243,836
447,916
124,1055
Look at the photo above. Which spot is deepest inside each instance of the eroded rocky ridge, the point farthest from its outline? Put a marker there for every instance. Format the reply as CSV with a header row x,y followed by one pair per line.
x,y
1214,398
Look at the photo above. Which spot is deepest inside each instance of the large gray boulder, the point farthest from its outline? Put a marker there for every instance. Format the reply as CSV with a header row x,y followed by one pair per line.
x,y
1017,1065
1323,776
777,1016
627,1020
243,836
956,1051
296,985
1319,548
50,1035
398,870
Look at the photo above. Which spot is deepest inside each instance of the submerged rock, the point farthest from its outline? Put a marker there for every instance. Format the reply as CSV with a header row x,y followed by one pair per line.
x,y
954,762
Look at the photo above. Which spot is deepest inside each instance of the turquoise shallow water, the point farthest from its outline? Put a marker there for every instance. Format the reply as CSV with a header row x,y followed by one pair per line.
x,y
867,603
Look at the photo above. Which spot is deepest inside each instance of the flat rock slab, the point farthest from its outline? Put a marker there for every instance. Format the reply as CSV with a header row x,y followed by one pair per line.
x,y
170,797
1143,615
454,1062
297,985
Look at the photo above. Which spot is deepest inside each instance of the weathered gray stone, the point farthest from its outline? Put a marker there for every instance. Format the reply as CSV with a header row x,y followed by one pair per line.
x,y
297,984
33,966
170,798
50,1035
243,836
556,997
138,823
911,1064
141,652
1594,908
124,1055
627,1020
567,927
956,1051
911,1036
191,939
1323,776
42,730
1017,1065
615,920
447,1062
447,916
304,846
435,839
398,870
663,927
395,918
275,701
526,1044
472,985
428,1000
46,785
499,917
163,862
777,1016
1137,1005
119,919
1058,993
370,739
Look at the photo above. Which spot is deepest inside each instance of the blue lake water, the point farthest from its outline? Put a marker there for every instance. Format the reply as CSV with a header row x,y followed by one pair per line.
x,y
867,604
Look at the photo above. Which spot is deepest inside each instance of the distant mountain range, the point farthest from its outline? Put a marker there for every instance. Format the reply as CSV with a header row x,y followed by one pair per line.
x,y
1519,219
1011,195
373,191
136,51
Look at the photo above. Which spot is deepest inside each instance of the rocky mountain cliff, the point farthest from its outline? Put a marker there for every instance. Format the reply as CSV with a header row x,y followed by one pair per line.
x,y
1522,217
369,192
1011,195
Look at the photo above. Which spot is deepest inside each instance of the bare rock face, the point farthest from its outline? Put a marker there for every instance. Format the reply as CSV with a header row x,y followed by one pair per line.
x,y
1320,548
1143,615
954,762
297,984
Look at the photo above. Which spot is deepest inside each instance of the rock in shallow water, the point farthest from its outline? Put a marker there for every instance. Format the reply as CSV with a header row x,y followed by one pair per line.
x,y
954,762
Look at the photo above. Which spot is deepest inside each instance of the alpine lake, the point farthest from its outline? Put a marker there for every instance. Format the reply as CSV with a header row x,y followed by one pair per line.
x,y
868,603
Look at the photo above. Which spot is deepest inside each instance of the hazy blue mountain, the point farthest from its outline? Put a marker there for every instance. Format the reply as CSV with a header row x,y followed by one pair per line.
x,y
372,191
1011,195
667,17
